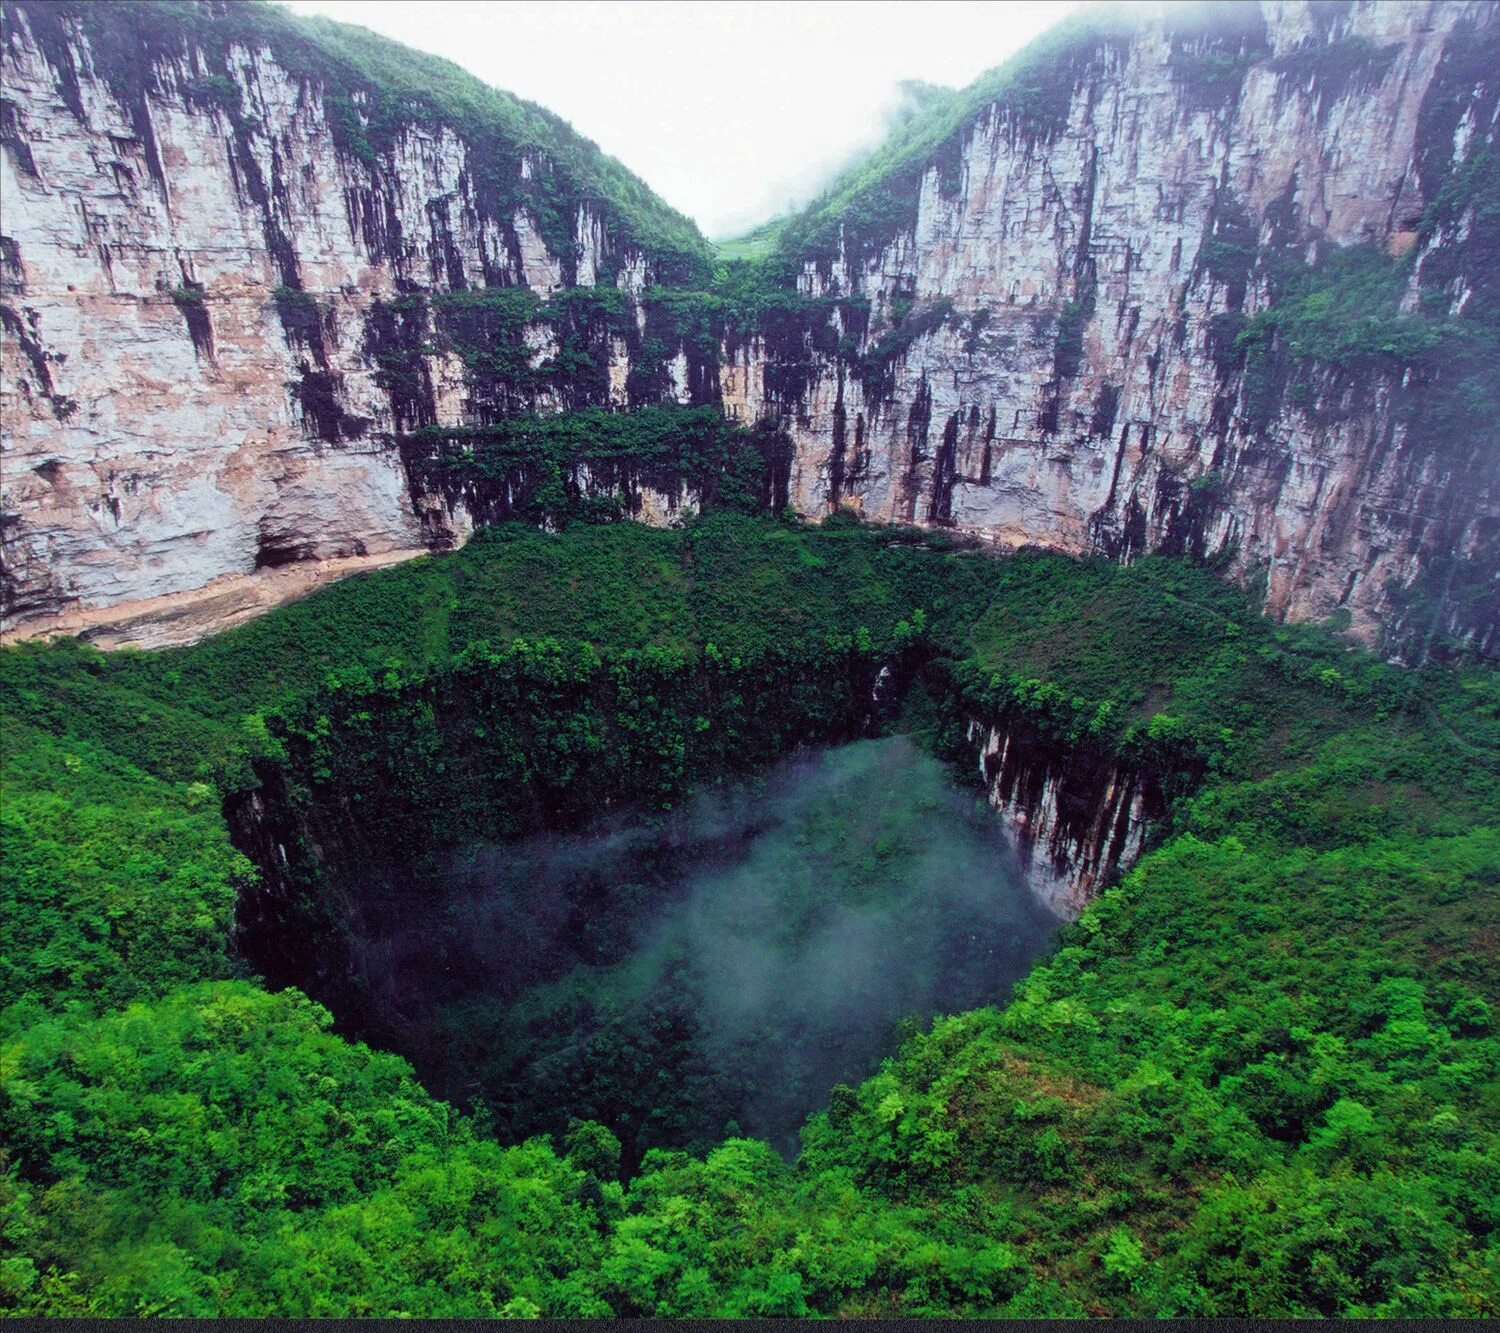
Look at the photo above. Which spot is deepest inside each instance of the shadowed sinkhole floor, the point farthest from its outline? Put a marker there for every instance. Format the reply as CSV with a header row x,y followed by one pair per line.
x,y
713,971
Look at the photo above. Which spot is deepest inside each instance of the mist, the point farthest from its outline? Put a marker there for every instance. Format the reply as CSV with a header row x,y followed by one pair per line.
x,y
733,112
803,176
714,971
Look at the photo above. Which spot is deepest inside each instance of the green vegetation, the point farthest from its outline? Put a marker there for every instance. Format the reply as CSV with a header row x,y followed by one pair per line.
x,y
1257,1077
758,243
1348,313
284,1167
878,195
528,466
1344,311
739,301
520,352
373,88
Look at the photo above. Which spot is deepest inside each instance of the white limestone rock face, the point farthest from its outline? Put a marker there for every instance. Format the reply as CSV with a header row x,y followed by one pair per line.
x,y
188,385
1109,232
1074,821
638,499
227,348
742,379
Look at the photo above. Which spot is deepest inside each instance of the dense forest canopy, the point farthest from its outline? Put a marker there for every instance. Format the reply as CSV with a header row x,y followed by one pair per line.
x,y
1258,1076
370,958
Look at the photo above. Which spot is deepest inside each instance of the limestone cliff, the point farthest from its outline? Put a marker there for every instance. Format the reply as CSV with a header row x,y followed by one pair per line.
x,y
1219,281
219,233
1076,817
1069,322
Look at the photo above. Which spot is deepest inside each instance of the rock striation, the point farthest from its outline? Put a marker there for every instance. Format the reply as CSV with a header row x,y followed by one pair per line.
x,y
1076,817
203,276
1054,342
1216,281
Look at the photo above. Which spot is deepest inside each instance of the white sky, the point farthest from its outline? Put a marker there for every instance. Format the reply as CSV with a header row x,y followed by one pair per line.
x,y
732,110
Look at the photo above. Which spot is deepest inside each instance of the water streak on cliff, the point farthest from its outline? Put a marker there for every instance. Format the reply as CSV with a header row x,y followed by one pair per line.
x,y
239,336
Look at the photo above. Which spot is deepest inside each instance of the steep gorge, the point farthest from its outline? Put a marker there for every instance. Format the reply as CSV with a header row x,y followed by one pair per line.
x,y
1062,332
210,257
268,307
606,844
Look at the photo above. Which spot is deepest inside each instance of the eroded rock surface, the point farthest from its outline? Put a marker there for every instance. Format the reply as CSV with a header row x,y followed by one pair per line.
x,y
1064,302
197,273
234,336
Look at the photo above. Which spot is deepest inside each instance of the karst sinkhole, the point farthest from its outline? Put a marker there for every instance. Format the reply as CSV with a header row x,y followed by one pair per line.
x,y
679,975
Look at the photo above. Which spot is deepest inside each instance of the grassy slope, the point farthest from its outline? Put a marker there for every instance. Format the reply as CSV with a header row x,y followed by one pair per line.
x,y
756,244
1259,1076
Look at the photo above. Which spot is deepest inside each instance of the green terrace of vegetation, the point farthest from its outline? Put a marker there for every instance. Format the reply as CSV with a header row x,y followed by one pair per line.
x,y
591,464
738,300
758,243
494,331
1259,1076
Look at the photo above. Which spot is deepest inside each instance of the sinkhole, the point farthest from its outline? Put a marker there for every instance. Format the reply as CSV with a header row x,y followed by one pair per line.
x,y
680,976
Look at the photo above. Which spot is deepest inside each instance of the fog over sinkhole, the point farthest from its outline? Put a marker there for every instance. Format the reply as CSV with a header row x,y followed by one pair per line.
x,y
718,970
734,112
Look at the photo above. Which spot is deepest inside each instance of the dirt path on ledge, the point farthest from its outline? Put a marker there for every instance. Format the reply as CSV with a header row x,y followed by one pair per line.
x,y
178,618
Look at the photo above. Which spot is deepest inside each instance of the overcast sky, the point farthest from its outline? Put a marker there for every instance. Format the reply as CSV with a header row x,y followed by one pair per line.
x,y
734,110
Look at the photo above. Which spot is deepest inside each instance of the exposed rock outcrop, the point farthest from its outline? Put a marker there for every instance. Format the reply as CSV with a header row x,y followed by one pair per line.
x,y
201,265
257,314
1075,816
1050,351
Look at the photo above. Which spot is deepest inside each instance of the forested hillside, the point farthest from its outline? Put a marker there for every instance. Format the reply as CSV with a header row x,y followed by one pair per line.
x,y
967,849
1257,1076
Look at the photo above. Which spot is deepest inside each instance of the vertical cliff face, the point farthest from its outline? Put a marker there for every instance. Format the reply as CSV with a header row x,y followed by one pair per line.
x,y
239,273
1219,281
1076,817
1068,322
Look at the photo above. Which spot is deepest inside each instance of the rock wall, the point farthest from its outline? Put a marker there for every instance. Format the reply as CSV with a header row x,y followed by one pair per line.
x,y
203,283
1075,817
243,331
1044,351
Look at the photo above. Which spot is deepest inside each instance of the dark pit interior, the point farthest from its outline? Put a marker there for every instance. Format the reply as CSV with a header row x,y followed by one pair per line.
x,y
690,974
